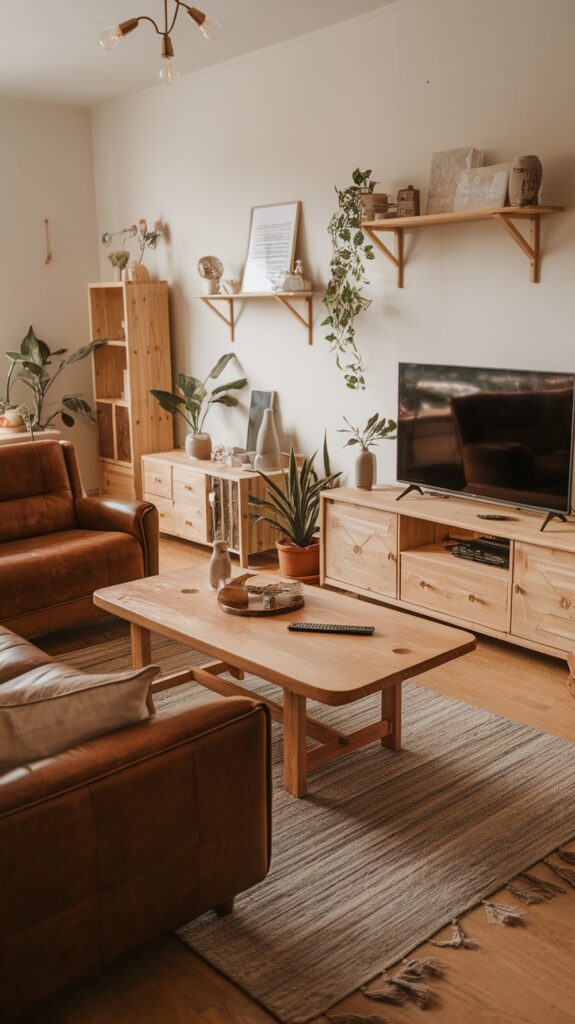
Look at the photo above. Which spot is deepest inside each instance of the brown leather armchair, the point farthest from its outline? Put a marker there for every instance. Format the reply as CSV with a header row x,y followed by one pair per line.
x,y
57,546
128,836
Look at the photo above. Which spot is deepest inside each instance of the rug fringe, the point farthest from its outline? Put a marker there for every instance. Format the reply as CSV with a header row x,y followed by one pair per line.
x,y
357,1018
566,874
567,855
459,939
502,913
409,984
548,890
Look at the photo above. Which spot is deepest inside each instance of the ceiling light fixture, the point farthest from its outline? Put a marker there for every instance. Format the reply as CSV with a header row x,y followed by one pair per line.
x,y
112,37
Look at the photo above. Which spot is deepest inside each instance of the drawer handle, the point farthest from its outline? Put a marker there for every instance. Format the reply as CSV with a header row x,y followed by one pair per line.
x,y
189,522
390,557
188,487
423,585
565,602
357,549
158,479
518,589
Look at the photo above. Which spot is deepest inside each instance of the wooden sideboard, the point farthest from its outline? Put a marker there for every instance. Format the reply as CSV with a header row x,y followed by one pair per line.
x,y
198,499
395,552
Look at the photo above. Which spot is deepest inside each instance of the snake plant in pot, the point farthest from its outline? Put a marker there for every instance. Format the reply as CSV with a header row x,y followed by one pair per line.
x,y
292,508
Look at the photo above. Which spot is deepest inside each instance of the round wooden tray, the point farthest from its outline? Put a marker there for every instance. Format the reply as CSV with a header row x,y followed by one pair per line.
x,y
241,597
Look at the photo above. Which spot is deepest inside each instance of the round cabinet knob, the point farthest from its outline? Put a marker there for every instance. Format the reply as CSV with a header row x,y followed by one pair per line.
x,y
356,549
158,479
391,557
422,584
565,602
189,487
518,589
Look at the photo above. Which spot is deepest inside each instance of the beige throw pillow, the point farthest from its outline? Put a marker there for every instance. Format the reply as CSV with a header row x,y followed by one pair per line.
x,y
53,707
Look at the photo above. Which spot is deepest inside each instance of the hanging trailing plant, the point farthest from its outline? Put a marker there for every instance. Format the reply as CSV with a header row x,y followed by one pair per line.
x,y
344,298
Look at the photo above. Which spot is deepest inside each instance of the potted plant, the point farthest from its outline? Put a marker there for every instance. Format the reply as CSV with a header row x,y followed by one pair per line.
x,y
343,297
119,260
32,364
377,429
293,510
195,402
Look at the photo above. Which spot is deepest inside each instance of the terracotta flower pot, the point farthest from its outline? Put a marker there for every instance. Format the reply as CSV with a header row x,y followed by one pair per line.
x,y
298,563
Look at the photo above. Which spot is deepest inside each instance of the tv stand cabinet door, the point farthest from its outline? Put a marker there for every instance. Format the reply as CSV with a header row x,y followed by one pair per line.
x,y
361,548
543,606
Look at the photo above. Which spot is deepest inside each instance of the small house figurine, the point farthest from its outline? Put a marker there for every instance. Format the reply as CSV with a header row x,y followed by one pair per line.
x,y
408,202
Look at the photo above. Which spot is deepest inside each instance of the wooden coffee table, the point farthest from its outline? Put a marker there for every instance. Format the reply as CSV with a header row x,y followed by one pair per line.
x,y
331,669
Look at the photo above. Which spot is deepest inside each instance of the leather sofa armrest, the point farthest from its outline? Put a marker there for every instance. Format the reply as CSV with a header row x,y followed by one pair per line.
x,y
138,518
29,785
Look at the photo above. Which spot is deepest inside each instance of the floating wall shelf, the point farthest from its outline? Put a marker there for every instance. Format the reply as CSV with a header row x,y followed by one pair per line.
x,y
285,299
506,215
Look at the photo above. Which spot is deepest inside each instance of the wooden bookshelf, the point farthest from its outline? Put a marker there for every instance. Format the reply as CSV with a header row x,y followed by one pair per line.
x,y
505,215
134,319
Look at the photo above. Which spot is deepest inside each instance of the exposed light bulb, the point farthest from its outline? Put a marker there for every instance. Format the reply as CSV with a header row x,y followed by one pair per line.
x,y
168,71
111,37
210,29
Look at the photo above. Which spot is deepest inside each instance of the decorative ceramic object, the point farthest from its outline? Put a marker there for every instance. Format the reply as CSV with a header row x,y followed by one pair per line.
x,y
136,273
408,202
230,285
365,469
220,565
12,418
268,455
525,181
211,270
198,446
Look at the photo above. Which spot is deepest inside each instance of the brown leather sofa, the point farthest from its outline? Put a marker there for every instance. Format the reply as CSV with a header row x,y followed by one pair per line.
x,y
57,546
110,844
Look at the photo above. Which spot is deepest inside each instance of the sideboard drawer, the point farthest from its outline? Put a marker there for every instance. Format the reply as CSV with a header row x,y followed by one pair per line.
x,y
543,599
157,478
189,486
361,547
165,512
189,521
431,578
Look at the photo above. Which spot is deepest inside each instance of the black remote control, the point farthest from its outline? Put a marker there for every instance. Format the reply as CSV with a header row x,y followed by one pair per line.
x,y
324,627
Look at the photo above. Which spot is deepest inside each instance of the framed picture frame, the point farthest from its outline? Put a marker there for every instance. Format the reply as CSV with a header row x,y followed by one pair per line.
x,y
260,401
271,245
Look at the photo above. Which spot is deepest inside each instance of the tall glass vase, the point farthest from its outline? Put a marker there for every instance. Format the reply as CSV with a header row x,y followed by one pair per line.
x,y
268,455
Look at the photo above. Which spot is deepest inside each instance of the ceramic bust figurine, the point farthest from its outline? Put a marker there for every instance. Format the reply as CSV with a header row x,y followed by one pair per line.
x,y
220,565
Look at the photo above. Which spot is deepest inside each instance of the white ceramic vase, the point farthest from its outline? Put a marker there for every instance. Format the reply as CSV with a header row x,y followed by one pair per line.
x,y
268,454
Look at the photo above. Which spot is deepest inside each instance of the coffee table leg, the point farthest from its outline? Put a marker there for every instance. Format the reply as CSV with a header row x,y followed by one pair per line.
x,y
391,711
295,750
142,654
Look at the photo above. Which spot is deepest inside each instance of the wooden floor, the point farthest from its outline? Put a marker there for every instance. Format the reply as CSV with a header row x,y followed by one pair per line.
x,y
523,975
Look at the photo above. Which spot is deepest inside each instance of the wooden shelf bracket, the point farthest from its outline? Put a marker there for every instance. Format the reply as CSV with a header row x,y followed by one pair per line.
x,y
308,324
285,299
230,320
532,249
395,258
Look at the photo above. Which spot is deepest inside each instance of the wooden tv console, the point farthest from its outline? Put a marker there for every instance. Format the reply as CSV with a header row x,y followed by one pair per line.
x,y
394,552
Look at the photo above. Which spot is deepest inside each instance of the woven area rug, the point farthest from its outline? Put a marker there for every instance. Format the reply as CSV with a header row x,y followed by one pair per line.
x,y
386,849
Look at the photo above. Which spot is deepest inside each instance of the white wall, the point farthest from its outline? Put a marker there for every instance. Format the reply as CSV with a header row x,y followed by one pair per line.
x,y
46,170
384,92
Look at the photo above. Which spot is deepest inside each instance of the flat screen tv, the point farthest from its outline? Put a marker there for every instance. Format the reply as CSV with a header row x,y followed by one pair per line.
x,y
503,435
